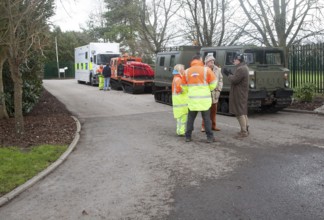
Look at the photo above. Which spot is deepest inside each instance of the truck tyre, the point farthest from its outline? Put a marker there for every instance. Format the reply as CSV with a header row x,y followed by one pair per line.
x,y
224,106
90,80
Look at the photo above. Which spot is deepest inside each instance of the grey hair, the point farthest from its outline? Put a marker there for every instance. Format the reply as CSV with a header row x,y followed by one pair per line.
x,y
179,67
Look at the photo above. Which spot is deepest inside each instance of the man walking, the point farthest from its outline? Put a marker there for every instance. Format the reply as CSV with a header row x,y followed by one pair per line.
x,y
198,82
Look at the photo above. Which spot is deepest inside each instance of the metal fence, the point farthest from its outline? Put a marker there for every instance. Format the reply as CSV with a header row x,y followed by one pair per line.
x,y
51,72
306,64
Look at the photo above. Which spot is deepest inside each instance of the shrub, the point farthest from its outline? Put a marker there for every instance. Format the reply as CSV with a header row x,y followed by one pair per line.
x,y
305,92
32,86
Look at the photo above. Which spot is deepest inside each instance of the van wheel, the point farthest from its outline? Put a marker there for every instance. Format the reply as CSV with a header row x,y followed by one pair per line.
x,y
91,81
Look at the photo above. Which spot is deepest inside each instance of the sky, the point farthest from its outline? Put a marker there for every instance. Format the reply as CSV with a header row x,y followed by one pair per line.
x,y
70,14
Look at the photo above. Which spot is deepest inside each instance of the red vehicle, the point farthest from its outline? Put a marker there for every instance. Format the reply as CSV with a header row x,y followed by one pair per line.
x,y
131,75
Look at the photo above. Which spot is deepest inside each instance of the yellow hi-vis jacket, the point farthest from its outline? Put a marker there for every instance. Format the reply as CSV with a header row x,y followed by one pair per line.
x,y
198,81
179,98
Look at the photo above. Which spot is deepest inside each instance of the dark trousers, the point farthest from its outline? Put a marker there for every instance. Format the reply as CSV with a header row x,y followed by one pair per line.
x,y
206,118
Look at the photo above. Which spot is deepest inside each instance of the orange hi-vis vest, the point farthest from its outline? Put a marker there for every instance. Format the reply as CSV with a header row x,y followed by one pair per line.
x,y
198,81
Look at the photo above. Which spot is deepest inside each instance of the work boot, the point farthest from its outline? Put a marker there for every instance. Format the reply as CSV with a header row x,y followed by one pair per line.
x,y
202,129
188,139
216,129
211,140
241,135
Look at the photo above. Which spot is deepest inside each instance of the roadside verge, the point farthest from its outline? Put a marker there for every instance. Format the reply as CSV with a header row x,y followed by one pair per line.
x,y
7,197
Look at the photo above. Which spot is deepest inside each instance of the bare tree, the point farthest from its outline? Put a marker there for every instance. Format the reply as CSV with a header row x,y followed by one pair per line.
x,y
156,23
209,22
25,28
281,23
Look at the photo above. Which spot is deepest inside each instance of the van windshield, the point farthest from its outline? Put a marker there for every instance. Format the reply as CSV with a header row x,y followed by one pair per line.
x,y
264,56
103,59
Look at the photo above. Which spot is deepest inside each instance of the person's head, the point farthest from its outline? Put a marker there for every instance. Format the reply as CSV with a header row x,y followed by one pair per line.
x,y
239,58
210,61
178,69
196,57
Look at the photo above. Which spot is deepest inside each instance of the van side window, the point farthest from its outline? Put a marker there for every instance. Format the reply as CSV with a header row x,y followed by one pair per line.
x,y
86,55
172,61
95,59
162,61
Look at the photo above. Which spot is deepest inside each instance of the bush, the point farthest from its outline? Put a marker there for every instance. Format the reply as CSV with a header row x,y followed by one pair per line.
x,y
32,86
305,92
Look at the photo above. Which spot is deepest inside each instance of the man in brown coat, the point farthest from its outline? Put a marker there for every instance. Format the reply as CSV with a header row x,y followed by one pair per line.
x,y
238,98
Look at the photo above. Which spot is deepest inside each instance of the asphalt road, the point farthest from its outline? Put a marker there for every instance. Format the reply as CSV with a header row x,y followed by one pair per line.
x,y
129,164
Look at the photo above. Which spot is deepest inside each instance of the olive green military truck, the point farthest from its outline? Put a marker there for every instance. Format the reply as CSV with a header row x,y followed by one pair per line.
x,y
268,78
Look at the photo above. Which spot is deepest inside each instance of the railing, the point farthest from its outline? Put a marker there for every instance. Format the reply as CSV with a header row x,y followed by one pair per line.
x,y
306,64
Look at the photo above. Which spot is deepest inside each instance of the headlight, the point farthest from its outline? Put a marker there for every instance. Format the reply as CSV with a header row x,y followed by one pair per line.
x,y
252,79
286,78
252,84
286,83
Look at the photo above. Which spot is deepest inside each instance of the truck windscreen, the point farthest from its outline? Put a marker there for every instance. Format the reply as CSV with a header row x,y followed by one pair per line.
x,y
264,57
103,59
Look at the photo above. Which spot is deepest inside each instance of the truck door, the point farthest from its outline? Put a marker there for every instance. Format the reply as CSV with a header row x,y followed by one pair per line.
x,y
164,67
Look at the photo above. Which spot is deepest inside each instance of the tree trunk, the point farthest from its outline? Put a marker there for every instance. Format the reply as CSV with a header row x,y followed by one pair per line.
x,y
3,109
18,82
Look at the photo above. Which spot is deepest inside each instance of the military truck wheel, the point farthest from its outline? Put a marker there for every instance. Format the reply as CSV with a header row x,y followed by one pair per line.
x,y
224,106
157,96
163,97
168,99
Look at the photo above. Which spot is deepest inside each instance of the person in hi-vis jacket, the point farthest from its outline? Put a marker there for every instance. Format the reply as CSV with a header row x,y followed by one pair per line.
x,y
198,81
179,100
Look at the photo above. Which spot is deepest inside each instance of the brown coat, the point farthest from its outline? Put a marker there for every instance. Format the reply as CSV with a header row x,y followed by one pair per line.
x,y
238,98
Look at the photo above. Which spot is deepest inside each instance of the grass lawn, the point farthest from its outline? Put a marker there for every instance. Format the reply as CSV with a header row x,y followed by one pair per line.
x,y
19,165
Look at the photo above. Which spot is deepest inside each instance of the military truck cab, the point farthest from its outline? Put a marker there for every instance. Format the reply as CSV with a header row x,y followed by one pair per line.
x,y
165,61
268,78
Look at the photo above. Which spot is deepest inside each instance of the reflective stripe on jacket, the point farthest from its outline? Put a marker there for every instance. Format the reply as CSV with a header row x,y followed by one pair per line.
x,y
179,98
198,81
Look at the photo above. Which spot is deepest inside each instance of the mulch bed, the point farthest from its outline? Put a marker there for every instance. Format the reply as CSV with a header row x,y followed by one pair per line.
x,y
308,106
48,123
